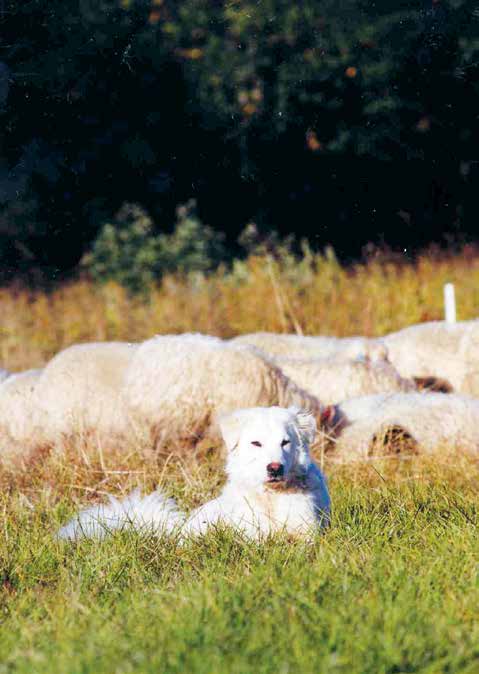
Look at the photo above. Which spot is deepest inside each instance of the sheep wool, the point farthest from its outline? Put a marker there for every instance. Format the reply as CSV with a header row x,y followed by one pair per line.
x,y
81,388
334,380
168,386
16,393
299,346
428,423
449,351
179,382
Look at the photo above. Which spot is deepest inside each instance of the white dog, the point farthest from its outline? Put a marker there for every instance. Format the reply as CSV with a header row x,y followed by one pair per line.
x,y
272,485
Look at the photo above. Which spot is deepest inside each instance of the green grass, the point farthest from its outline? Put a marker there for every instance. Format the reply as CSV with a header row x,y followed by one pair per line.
x,y
393,586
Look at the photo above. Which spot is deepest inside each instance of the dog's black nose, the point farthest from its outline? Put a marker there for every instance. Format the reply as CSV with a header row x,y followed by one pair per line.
x,y
275,469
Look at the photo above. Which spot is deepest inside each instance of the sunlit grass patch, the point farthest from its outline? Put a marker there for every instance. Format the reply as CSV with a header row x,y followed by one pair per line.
x,y
392,586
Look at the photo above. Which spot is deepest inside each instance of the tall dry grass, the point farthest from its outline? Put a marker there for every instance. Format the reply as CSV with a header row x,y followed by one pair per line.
x,y
313,295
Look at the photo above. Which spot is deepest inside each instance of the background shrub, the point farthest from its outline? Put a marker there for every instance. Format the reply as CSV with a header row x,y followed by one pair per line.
x,y
129,252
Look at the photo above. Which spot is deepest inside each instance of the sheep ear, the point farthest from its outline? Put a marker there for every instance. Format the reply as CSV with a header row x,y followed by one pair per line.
x,y
230,426
306,424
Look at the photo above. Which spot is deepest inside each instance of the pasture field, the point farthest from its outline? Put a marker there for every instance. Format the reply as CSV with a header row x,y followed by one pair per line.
x,y
392,587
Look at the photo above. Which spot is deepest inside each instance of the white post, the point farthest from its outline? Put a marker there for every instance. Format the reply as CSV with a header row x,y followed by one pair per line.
x,y
449,303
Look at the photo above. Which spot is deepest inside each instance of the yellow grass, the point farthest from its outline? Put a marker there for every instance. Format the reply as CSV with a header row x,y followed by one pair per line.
x,y
314,296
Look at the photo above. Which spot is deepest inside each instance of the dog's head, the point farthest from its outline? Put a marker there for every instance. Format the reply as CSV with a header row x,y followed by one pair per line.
x,y
267,445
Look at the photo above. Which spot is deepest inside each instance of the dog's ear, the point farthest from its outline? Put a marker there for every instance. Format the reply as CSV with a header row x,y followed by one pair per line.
x,y
306,424
230,427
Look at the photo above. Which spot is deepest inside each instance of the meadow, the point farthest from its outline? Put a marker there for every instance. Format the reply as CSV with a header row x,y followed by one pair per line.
x,y
392,587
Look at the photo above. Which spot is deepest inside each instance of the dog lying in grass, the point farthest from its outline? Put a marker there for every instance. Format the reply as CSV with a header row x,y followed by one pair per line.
x,y
273,485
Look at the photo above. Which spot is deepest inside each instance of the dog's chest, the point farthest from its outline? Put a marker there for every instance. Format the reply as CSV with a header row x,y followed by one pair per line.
x,y
292,512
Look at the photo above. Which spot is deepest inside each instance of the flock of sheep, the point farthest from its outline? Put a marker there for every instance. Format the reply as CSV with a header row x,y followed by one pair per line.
x,y
416,387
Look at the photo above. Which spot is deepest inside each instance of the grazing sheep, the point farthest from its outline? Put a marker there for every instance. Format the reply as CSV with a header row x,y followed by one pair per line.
x,y
179,382
273,485
77,390
297,346
167,386
16,393
429,423
438,349
81,388
334,379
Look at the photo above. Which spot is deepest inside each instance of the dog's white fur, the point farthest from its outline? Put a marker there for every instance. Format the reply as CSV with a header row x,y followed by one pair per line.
x,y
250,501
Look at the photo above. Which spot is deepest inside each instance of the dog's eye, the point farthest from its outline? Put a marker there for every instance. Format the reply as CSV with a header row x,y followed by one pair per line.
x,y
285,442
256,443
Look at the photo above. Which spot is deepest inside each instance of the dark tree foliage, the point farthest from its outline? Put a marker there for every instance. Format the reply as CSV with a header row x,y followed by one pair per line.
x,y
347,121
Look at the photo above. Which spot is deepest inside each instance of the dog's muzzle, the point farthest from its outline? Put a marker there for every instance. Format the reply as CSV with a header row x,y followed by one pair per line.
x,y
275,471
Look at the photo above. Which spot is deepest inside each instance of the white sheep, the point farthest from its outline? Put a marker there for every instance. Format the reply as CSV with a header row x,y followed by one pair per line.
x,y
179,382
299,346
16,392
429,423
168,386
438,349
335,379
77,390
81,389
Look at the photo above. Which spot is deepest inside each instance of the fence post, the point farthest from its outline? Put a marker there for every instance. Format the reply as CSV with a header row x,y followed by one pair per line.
x,y
449,303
